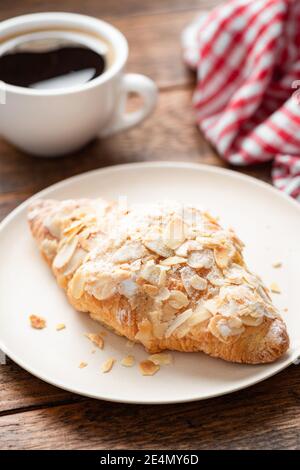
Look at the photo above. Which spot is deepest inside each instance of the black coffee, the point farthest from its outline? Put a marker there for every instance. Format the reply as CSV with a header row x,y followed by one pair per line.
x,y
59,67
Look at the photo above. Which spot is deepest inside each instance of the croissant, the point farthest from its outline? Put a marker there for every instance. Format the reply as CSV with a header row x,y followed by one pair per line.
x,y
164,275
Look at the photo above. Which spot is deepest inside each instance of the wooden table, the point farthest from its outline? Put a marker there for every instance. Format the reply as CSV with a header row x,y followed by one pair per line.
x,y
34,415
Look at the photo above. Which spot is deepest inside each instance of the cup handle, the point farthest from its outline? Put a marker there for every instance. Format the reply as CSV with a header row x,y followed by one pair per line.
x,y
143,86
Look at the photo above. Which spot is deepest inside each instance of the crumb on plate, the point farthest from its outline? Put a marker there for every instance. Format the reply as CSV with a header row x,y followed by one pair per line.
x,y
277,264
37,322
108,365
97,339
148,367
161,359
275,288
60,326
82,365
128,361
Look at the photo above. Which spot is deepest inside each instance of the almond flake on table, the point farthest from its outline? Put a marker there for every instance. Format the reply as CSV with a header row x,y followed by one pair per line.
x,y
128,361
148,367
37,322
277,264
275,288
108,365
82,365
60,326
96,339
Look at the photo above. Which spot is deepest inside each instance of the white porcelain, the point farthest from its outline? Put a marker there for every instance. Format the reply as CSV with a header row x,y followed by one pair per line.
x,y
60,121
266,220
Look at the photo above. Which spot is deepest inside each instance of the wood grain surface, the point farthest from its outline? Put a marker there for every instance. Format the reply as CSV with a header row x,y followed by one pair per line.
x,y
31,411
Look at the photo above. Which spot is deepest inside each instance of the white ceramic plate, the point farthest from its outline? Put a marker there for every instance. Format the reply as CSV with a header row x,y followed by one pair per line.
x,y
266,220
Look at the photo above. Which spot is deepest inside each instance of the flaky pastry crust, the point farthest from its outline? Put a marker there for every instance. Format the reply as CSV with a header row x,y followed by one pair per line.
x,y
164,275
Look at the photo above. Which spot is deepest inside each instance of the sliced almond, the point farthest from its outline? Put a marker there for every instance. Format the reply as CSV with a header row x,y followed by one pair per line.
x,y
96,339
213,328
49,247
228,307
174,233
129,252
220,328
53,224
178,321
65,253
186,274
162,278
88,242
37,322
154,274
235,273
198,282
103,288
150,289
128,288
168,312
82,365
200,259
264,293
73,228
210,218
254,281
161,359
108,365
60,326
158,247
178,299
135,265
77,259
148,367
222,257
200,314
186,247
275,288
211,240
173,260
128,361
212,306
163,294
87,231
77,284
215,277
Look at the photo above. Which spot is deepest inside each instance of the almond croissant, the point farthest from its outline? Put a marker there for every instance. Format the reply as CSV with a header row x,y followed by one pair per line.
x,y
164,275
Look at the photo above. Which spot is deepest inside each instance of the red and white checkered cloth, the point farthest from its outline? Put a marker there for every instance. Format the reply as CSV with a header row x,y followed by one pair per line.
x,y
247,57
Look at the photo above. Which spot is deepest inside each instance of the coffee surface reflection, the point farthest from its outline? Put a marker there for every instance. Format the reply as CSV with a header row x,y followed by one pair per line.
x,y
52,68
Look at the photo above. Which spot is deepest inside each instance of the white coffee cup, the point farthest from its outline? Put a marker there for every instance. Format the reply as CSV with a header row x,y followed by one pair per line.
x,y
59,121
